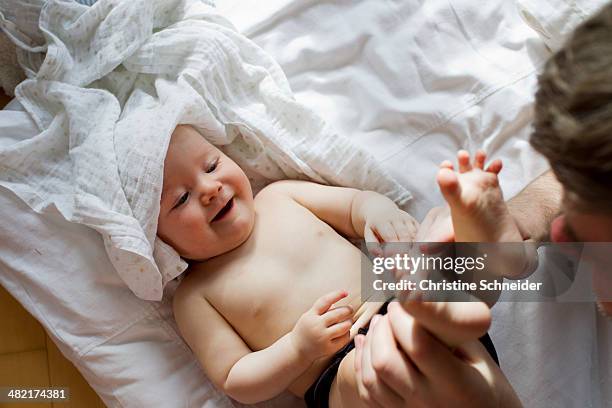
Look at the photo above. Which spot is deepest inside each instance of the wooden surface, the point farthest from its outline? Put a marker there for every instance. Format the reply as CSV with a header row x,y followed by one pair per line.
x,y
28,358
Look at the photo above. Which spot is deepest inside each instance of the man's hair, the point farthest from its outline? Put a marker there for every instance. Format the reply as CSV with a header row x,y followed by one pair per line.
x,y
573,114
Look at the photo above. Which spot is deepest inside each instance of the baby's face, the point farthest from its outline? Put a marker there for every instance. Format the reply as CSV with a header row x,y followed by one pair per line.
x,y
207,202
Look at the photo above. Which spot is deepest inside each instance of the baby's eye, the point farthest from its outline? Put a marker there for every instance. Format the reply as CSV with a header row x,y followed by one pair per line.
x,y
182,200
213,166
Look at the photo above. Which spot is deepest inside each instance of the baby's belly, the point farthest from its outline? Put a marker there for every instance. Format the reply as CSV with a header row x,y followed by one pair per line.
x,y
274,294
280,293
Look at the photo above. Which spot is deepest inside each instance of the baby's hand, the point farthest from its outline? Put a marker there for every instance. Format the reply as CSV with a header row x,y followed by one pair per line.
x,y
323,330
395,226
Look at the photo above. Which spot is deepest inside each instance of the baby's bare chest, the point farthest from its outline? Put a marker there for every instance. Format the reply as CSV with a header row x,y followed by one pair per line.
x,y
290,260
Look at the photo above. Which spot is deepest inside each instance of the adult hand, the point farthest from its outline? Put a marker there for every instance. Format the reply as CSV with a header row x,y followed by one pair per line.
x,y
518,262
399,364
437,226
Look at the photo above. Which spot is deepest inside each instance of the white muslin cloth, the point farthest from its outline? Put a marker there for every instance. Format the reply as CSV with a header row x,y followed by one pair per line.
x,y
117,78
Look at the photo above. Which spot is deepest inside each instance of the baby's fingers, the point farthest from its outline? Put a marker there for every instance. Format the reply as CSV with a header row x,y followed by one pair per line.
x,y
339,330
337,314
406,230
372,242
387,232
323,304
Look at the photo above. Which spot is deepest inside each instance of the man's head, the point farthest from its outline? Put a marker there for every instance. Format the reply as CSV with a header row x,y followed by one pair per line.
x,y
573,125
207,202
573,129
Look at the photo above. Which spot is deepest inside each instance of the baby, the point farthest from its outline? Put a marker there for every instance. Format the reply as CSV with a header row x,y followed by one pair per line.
x,y
272,299
275,290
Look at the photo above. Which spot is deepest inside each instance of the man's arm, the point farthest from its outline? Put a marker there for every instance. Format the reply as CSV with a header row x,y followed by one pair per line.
x,y
536,206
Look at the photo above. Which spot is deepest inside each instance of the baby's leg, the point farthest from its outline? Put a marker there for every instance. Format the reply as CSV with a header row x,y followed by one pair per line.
x,y
480,214
476,202
344,392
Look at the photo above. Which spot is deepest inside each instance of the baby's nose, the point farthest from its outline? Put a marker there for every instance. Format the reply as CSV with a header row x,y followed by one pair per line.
x,y
210,190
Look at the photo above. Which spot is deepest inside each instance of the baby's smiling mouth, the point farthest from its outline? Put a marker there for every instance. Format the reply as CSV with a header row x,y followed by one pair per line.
x,y
226,208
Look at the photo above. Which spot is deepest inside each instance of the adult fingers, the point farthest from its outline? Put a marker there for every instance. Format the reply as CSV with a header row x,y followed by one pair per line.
x,y
359,340
368,375
437,226
391,365
434,360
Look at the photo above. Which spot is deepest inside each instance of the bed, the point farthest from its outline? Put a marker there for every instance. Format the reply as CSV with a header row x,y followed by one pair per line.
x,y
411,82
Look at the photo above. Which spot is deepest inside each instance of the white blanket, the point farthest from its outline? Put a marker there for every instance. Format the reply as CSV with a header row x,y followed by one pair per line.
x,y
377,71
116,80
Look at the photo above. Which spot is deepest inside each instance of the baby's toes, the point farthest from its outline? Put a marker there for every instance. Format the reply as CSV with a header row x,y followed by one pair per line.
x,y
479,159
495,166
449,185
463,158
447,164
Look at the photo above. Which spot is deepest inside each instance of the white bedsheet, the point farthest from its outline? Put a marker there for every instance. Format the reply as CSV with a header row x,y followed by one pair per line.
x,y
412,81
127,349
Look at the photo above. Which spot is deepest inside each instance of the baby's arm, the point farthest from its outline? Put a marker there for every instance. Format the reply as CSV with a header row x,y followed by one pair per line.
x,y
251,377
230,364
353,213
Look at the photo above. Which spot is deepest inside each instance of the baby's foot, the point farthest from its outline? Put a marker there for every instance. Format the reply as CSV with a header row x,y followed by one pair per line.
x,y
480,214
476,202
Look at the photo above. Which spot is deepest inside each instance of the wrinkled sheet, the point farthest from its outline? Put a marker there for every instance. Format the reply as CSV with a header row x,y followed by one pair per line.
x,y
412,82
116,80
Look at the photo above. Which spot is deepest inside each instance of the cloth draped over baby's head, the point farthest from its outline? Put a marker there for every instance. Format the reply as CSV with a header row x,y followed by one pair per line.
x,y
116,80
